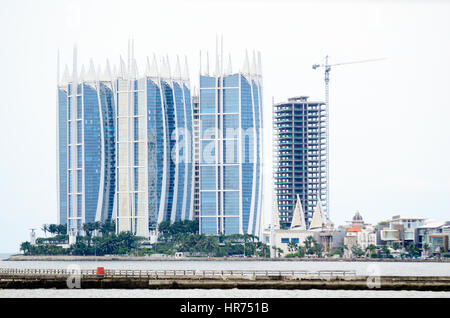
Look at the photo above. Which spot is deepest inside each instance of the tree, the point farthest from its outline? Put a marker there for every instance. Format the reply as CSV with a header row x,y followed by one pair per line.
x,y
411,250
386,252
292,247
357,250
25,247
371,251
45,229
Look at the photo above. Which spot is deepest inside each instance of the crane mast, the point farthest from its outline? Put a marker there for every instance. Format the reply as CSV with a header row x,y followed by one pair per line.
x,y
327,68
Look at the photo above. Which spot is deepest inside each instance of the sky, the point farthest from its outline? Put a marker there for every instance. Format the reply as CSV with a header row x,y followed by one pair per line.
x,y
389,120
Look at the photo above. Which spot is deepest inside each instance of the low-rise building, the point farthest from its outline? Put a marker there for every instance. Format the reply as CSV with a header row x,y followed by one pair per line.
x,y
433,237
359,234
400,229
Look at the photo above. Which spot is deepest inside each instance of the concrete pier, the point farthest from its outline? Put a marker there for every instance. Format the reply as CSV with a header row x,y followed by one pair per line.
x,y
344,280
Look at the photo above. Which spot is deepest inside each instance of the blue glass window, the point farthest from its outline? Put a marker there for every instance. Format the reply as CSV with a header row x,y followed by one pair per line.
x,y
206,81
208,126
231,177
207,101
208,203
231,81
231,203
230,151
284,240
231,100
231,225
208,225
208,177
230,126
208,151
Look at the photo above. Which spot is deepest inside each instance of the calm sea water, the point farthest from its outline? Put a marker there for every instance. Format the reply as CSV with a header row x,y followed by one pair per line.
x,y
361,268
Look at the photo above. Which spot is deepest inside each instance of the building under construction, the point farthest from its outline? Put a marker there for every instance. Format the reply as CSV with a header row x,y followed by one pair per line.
x,y
300,158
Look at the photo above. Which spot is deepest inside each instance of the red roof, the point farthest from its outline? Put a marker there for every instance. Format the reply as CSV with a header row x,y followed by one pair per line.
x,y
354,229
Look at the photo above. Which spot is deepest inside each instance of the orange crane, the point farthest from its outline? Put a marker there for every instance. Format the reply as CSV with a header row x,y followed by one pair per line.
x,y
327,68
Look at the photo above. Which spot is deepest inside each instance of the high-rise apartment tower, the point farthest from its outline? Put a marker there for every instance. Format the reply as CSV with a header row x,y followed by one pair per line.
x,y
300,156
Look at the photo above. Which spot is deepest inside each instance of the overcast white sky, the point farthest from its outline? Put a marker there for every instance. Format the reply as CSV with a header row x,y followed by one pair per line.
x,y
389,136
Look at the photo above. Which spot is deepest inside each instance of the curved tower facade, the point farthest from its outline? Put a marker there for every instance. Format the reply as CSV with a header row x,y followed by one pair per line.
x,y
86,148
230,117
154,157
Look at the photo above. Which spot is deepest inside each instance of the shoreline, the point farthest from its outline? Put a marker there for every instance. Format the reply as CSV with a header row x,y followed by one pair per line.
x,y
69,258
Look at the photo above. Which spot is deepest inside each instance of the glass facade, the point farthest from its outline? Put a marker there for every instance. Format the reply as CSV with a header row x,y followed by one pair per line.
x,y
230,110
86,153
156,185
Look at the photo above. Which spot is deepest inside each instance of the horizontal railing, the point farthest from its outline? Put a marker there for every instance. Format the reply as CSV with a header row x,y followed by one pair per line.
x,y
7,272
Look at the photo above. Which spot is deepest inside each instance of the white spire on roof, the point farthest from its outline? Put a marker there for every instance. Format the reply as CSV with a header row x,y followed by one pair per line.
x,y
108,75
66,76
154,70
185,74
82,73
75,67
90,76
57,67
164,72
217,72
134,69
207,64
246,65
318,220
259,64
177,72
99,73
298,218
123,69
253,68
229,67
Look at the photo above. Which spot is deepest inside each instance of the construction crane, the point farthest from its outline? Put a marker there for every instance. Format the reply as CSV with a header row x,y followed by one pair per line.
x,y
327,68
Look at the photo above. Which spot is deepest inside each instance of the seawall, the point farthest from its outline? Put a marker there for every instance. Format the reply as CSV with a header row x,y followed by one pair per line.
x,y
60,279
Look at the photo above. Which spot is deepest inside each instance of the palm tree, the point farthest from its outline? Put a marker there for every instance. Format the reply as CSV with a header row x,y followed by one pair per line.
x,y
25,247
371,249
426,248
45,229
292,246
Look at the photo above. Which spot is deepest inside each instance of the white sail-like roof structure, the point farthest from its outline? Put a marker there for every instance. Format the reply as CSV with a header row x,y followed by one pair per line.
x,y
298,218
318,220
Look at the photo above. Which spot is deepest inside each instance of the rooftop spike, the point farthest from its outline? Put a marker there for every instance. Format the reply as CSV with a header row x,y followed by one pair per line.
x,y
185,74
99,74
135,70
217,71
253,68
108,75
229,69
177,72
154,71
168,66
75,66
207,64
123,69
82,74
91,75
57,67
246,66
259,64
66,76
